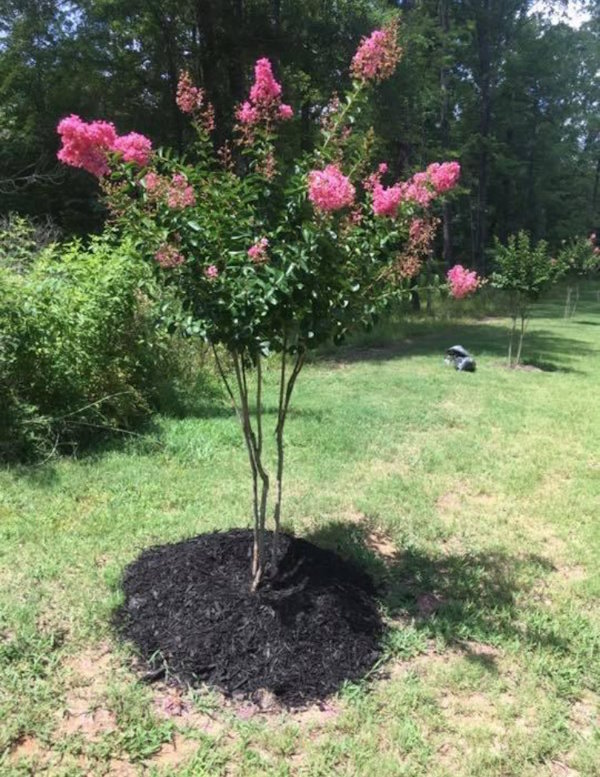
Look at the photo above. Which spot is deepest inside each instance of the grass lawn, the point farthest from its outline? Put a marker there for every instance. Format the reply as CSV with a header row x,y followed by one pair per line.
x,y
474,497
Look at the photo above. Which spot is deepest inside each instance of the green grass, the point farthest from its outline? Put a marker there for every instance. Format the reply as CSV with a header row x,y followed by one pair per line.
x,y
488,487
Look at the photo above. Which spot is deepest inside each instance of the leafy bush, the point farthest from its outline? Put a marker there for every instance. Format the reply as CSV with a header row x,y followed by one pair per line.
x,y
79,350
21,239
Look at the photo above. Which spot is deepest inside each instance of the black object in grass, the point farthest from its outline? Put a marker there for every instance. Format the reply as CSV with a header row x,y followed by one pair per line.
x,y
188,606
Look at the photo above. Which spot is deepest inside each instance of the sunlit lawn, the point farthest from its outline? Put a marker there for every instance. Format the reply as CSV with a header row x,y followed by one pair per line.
x,y
475,499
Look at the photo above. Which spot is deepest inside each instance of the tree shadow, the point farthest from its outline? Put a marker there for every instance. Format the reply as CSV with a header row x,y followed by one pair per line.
x,y
460,598
541,366
540,346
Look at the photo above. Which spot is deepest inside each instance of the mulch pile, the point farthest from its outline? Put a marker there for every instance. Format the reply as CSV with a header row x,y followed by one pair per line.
x,y
188,609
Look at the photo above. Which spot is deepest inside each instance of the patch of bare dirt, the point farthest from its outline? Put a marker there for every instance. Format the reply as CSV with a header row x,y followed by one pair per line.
x,y
85,711
174,753
380,544
585,714
558,768
573,574
172,702
28,748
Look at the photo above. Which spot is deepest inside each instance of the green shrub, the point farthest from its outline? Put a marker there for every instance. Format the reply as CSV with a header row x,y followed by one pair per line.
x,y
22,238
79,349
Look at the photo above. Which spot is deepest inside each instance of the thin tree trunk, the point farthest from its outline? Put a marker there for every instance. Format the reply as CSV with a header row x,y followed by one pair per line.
x,y
521,335
285,395
428,290
257,560
510,342
568,302
576,301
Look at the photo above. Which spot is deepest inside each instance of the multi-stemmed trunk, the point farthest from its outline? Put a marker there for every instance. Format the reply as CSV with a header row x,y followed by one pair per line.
x,y
520,314
251,422
572,300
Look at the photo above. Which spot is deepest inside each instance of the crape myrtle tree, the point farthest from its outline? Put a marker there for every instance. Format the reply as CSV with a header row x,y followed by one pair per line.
x,y
523,270
580,259
270,255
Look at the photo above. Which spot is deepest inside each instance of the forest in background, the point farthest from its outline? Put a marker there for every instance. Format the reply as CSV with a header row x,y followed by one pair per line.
x,y
513,97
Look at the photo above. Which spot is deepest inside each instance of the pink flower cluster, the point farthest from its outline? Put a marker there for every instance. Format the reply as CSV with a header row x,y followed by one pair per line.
x,y
462,281
265,103
443,176
211,272
386,200
421,189
417,230
330,189
189,97
87,145
154,182
134,148
377,56
418,190
168,257
192,99
258,252
177,192
180,194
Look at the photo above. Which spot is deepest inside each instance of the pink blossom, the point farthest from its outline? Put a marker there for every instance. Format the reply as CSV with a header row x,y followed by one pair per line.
x,y
86,145
285,111
258,252
443,176
377,56
386,200
192,99
462,281
264,105
180,194
382,168
330,189
265,89
152,181
418,191
133,148
247,114
408,265
211,272
168,257
417,227
189,97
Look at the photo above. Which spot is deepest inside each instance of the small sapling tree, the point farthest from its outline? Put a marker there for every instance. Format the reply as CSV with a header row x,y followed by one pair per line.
x,y
524,271
579,259
270,255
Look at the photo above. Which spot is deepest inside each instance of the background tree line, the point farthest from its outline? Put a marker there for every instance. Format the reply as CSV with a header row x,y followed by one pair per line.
x,y
513,97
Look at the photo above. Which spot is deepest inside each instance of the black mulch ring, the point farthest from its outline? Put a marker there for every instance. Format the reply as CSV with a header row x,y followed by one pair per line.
x,y
188,607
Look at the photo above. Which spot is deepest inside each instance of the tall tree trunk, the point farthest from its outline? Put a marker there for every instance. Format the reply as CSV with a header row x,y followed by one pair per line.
x,y
596,190
484,80
445,128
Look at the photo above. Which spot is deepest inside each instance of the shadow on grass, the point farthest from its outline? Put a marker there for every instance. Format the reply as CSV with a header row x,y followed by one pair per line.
x,y
425,338
540,366
460,598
